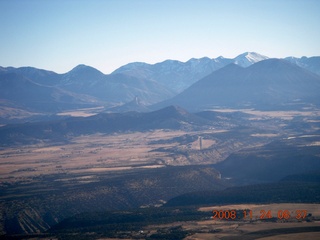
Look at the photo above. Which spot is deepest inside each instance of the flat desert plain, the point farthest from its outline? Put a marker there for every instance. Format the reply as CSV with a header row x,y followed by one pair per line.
x,y
97,152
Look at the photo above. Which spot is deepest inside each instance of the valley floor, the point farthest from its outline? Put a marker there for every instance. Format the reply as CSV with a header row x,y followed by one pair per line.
x,y
42,184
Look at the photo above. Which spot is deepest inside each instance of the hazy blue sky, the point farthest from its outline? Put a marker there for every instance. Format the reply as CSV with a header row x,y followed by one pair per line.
x,y
57,35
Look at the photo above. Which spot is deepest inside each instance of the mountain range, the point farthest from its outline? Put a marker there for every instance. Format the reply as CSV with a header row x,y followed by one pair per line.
x,y
114,88
178,75
32,91
271,84
312,64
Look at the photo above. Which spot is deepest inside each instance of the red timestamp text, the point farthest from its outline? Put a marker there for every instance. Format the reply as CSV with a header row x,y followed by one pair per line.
x,y
224,214
263,214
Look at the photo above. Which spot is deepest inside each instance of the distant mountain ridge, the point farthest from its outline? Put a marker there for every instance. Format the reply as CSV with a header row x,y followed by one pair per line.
x,y
81,87
312,64
179,75
269,84
84,86
22,92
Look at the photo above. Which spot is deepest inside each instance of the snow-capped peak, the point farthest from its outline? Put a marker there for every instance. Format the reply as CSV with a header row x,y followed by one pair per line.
x,y
248,58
